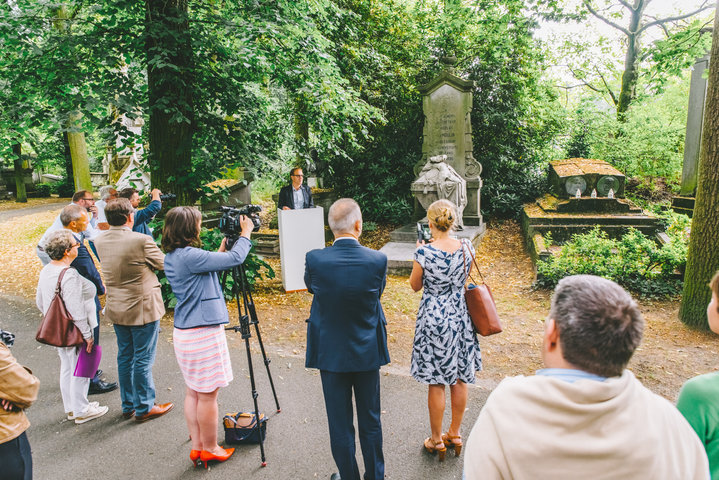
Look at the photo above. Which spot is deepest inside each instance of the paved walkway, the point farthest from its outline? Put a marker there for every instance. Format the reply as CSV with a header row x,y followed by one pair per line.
x,y
297,443
10,214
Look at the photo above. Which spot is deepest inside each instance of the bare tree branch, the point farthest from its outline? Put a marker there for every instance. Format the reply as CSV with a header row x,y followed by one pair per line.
x,y
626,4
584,82
605,20
662,21
608,88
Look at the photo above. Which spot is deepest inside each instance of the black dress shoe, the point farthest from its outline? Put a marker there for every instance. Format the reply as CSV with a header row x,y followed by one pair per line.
x,y
101,387
335,476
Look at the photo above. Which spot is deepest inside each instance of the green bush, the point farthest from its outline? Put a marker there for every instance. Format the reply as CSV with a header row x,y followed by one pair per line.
x,y
43,189
211,240
634,261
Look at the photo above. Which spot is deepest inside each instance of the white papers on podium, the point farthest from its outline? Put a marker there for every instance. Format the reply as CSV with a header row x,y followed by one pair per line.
x,y
301,230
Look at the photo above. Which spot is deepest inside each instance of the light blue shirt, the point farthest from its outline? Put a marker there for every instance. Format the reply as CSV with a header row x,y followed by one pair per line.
x,y
569,375
299,197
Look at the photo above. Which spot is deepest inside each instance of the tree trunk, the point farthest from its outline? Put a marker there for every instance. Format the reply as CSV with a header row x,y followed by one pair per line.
x,y
302,132
171,110
75,140
631,62
703,256
67,157
20,193
80,160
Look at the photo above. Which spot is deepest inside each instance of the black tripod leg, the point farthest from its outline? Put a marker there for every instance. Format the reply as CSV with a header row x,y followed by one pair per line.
x,y
250,303
254,399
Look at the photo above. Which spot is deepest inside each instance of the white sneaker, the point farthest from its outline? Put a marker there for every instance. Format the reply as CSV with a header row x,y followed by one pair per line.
x,y
71,415
92,412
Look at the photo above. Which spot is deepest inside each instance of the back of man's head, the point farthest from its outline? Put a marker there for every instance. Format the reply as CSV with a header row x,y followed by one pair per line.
x,y
79,195
72,213
599,324
126,193
343,216
117,211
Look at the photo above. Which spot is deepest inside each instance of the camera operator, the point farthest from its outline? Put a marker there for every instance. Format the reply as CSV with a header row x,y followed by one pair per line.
x,y
199,336
146,214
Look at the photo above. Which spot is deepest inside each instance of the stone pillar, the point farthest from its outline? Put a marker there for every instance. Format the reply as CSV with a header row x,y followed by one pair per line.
x,y
692,143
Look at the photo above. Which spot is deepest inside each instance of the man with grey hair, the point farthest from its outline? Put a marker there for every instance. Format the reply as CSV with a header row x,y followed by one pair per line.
x,y
107,193
74,218
347,339
584,414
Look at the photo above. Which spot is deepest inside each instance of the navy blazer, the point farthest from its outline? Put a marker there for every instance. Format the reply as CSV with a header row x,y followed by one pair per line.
x,y
346,331
287,198
86,267
145,215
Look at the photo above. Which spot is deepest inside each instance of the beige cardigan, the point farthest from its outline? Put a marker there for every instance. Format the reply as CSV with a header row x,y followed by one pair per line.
x,y
546,428
20,386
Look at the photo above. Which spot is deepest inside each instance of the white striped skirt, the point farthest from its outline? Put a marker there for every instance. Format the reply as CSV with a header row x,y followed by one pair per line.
x,y
203,357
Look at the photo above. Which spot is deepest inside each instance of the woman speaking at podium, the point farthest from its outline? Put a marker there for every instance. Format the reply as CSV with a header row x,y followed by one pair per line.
x,y
199,336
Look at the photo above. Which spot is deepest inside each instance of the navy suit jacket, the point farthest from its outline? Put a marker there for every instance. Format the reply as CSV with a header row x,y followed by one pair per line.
x,y
145,215
287,198
86,267
346,331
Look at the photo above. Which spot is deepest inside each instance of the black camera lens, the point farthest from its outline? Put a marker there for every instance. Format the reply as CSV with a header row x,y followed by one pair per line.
x,y
168,196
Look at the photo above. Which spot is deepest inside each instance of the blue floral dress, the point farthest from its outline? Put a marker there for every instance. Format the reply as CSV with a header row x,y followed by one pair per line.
x,y
446,348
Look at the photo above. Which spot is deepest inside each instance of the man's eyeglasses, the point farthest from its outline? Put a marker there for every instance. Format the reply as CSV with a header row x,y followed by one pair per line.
x,y
301,176
91,199
74,245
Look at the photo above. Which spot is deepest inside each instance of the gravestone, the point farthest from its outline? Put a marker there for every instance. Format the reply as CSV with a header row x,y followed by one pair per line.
x,y
447,168
684,203
447,107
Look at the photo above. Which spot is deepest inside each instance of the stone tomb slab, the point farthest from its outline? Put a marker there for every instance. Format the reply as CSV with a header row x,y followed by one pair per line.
x,y
583,174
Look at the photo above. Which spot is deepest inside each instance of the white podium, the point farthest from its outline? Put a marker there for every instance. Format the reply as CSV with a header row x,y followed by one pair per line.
x,y
300,231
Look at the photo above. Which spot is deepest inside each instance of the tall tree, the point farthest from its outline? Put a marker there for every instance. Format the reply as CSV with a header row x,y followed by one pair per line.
x,y
703,255
20,193
630,18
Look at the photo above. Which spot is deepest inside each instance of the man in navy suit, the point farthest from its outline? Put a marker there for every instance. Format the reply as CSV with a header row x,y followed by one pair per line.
x,y
75,218
295,195
347,339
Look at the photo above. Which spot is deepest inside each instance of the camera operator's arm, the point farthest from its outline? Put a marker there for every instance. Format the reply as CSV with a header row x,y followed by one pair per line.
x,y
204,261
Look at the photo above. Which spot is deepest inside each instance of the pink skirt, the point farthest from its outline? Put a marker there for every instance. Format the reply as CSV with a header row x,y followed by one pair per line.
x,y
203,357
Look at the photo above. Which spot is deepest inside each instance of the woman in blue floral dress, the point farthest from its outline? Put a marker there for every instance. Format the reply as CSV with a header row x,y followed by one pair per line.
x,y
446,350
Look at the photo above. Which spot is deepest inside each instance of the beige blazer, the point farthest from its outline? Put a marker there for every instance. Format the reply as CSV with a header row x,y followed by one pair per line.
x,y
128,261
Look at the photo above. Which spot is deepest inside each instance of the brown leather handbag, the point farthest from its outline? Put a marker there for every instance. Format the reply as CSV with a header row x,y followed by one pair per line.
x,y
57,328
480,303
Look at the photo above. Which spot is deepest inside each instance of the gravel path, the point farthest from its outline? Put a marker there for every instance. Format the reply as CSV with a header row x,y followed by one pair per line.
x,y
20,212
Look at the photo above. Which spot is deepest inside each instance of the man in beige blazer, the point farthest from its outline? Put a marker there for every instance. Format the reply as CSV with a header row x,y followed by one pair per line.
x,y
134,305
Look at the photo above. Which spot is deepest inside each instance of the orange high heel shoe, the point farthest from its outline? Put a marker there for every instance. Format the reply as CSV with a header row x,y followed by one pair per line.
x,y
453,441
206,457
435,447
195,456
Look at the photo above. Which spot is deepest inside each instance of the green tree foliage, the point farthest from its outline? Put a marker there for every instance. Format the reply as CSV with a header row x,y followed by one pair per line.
x,y
645,66
649,143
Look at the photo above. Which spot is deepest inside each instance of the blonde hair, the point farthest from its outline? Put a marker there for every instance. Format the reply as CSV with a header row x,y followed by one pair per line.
x,y
442,214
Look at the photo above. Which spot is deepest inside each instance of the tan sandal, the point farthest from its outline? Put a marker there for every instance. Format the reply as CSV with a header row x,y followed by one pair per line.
x,y
435,447
453,441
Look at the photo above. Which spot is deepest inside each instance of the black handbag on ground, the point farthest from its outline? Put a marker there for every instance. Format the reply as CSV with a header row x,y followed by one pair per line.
x,y
242,427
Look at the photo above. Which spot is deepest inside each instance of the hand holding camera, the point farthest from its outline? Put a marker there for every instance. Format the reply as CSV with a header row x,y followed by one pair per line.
x,y
424,235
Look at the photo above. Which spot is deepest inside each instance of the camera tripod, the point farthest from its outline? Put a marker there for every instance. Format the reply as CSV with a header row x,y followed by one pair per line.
x,y
249,317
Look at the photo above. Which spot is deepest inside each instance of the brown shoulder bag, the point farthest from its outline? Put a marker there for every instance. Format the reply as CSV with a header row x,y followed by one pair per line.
x,y
480,303
57,328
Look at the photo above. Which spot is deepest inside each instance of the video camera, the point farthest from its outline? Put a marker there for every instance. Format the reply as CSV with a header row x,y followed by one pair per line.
x,y
230,220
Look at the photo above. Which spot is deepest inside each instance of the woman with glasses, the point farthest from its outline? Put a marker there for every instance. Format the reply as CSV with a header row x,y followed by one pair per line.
x,y
78,293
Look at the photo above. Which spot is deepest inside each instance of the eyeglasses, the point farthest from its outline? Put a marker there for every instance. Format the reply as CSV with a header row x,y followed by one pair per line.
x,y
301,176
74,245
91,199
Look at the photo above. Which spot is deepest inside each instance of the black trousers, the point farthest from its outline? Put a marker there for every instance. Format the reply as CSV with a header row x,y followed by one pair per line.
x,y
16,459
